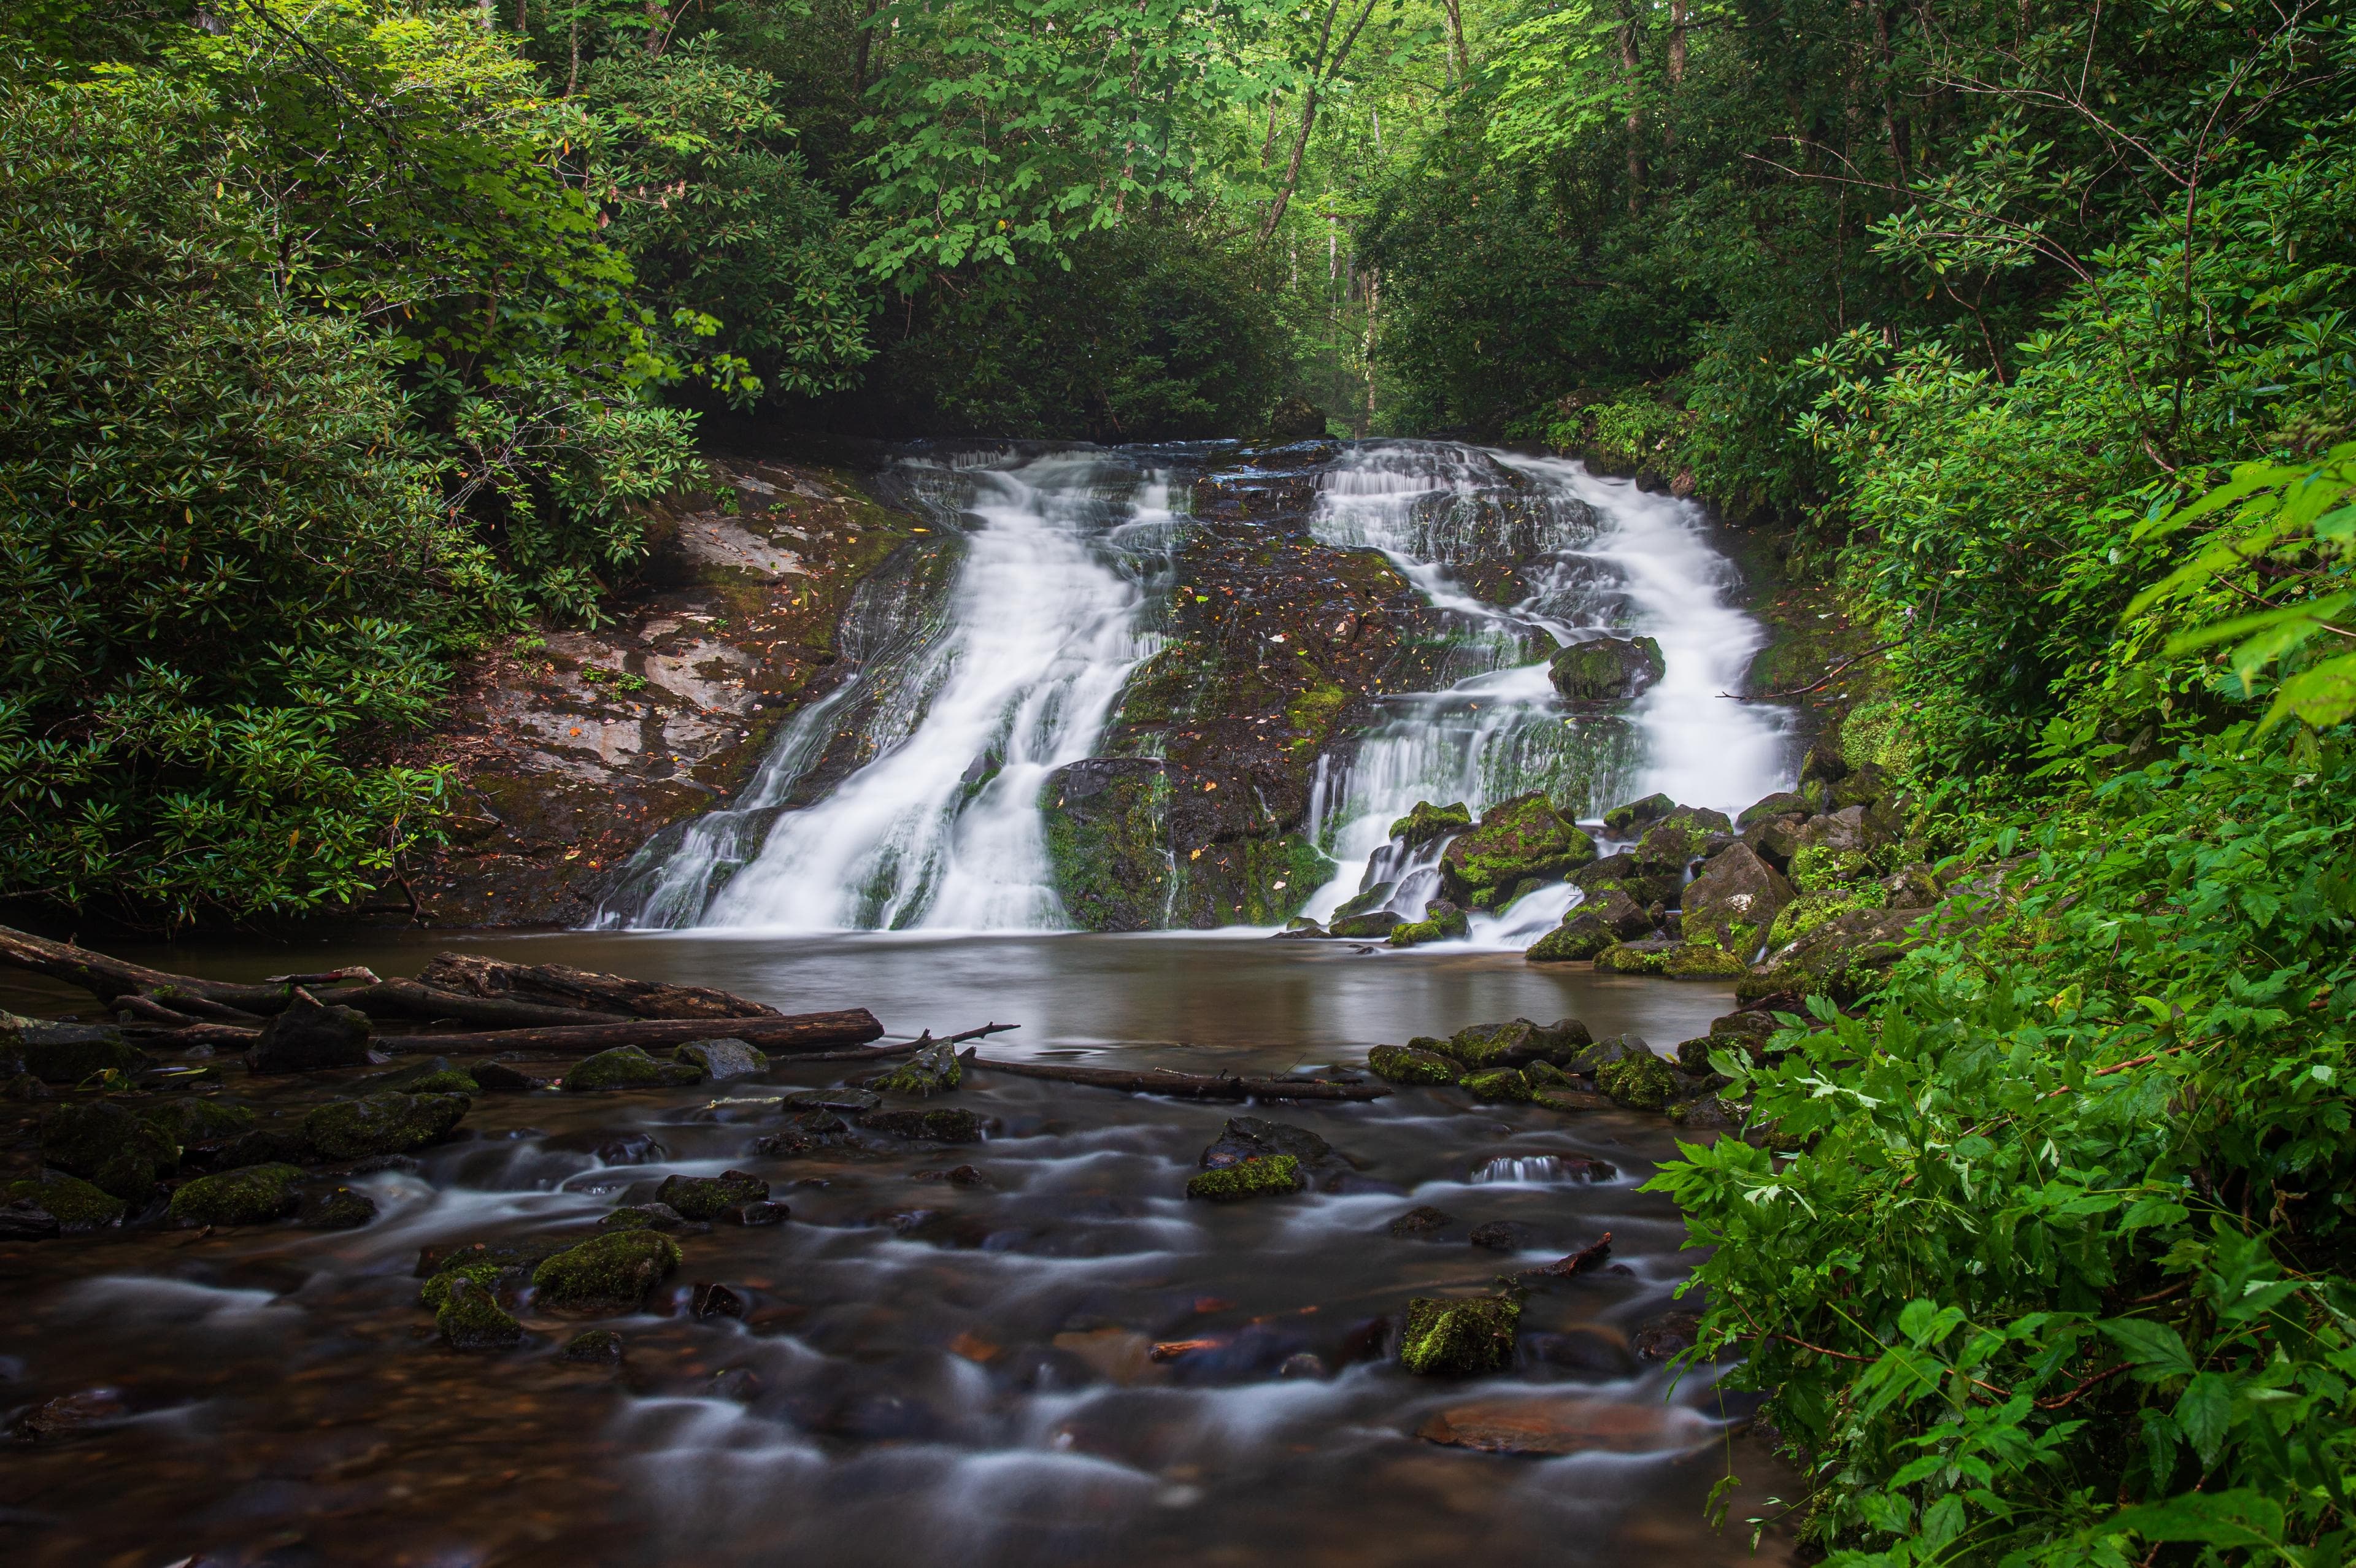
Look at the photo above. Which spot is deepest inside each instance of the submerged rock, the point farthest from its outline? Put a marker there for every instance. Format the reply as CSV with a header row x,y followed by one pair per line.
x,y
941,1127
628,1067
1420,1221
806,1134
711,1197
1251,1138
1247,1179
650,1217
386,1123
71,1203
1459,1336
932,1070
107,1145
722,1059
66,1053
254,1196
334,1208
309,1036
471,1319
1501,1235
1406,1064
1516,839
595,1347
613,1272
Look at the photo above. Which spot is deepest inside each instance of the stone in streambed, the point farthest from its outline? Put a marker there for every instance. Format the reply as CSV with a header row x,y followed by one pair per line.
x,y
385,1123
711,1197
23,1220
66,1053
254,1196
1442,922
1640,1083
932,1070
501,1078
1501,1235
1420,1221
1607,669
310,1036
1378,897
648,1217
334,1208
628,1067
1572,1100
105,1144
594,1347
1422,826
1406,1064
1734,903
1702,961
613,1272
1375,927
1518,838
1253,1138
1495,1083
850,1101
1622,821
806,1134
1465,1337
193,1121
471,1319
722,1059
941,1127
1247,1179
445,1081
71,1204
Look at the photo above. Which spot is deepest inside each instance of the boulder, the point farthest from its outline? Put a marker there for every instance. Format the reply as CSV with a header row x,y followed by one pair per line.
x,y
722,1059
1247,1179
1840,959
191,1121
471,1319
1640,1083
1406,1064
612,1271
389,1122
1810,911
66,1053
1252,1138
1649,956
1702,961
1583,934
1734,901
932,1070
1426,823
1607,669
1442,922
1375,927
503,1078
1679,838
105,1144
254,1196
1786,803
1372,899
1495,1083
595,1347
1851,827
1518,839
310,1036
1913,886
445,1079
1502,1236
1775,839
1645,884
649,1217
1622,821
1420,1222
334,1208
1815,869
941,1127
628,1067
1463,1336
811,1131
23,1220
707,1197
1514,1042
71,1203
1866,785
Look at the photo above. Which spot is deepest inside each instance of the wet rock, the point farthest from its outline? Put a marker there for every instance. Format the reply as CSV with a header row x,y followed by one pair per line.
x,y
613,1272
1253,1138
1501,1235
761,1213
611,1146
334,1208
1303,928
1839,959
1369,901
1707,1112
808,1134
711,1197
721,1059
471,1319
1785,804
262,1146
1649,956
1406,1064
1734,901
1640,1083
108,1145
711,1299
309,1036
1622,821
650,1217
850,1101
499,1078
1544,1074
941,1127
23,1220
1301,1364
1670,1334
1377,926
1582,934
1420,1222
1645,884
1514,1042
1607,669
24,1086
932,1070
1442,922
254,1196
1495,1083
1702,961
1774,839
446,1081
1912,886
72,1205
1572,1100
66,1053
1816,869
1426,823
1247,1179
1549,1426
594,1347
628,1067
965,1176
1459,1336
69,1413
1520,838
386,1123
1679,838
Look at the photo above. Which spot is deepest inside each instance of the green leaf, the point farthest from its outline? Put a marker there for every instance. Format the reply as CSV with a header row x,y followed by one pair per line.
x,y
2155,1350
2203,1411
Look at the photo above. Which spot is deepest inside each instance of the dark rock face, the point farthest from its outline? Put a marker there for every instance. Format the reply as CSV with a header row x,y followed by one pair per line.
x,y
1607,669
1251,1138
1516,839
309,1036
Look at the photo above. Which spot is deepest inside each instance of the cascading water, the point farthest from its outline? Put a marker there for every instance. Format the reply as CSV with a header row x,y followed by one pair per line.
x,y
959,722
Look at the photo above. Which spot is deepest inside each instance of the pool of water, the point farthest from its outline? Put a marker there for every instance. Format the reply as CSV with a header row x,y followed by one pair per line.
x,y
1057,1360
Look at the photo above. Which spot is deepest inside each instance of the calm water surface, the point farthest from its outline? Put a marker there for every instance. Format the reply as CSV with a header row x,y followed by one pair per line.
x,y
925,1372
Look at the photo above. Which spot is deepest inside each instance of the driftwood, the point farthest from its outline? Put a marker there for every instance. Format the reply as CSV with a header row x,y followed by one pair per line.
x,y
560,985
108,978
853,1026
407,998
1187,1085
884,1052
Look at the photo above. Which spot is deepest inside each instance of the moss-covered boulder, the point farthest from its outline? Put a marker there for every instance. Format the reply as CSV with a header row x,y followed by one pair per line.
x,y
1516,839
1734,903
1702,961
1495,1083
1428,822
1626,821
1442,922
945,1126
66,1053
1840,959
445,1081
1817,868
722,1059
628,1067
1375,926
1645,884
932,1070
1912,886
1514,1042
108,1145
1583,935
334,1208
1785,803
1650,956
1459,1337
648,1217
193,1120
1107,842
1640,1081
1810,911
253,1196
1607,669
711,1197
1404,1064
385,1123
594,1347
1680,838
471,1319
611,1273
1246,1178
75,1205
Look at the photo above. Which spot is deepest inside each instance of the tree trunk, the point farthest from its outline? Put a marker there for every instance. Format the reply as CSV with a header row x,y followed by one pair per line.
x,y
1320,70
1676,42
808,1031
1628,65
561,986
1456,41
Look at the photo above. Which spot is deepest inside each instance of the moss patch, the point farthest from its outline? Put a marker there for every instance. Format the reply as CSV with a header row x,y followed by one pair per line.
x,y
1811,911
195,1120
710,1197
254,1196
1495,1083
1404,1064
1246,1178
1702,961
613,1272
1640,1082
1459,1337
1516,839
1428,822
386,1123
74,1203
471,1319
108,1145
628,1067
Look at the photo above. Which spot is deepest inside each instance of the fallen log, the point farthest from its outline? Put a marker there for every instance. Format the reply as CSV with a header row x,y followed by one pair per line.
x,y
853,1026
108,978
879,1052
1186,1085
407,998
561,986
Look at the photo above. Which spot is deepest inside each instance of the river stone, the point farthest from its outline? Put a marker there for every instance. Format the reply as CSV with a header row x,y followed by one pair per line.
x,y
808,1133
722,1059
105,1144
1556,1425
1428,822
710,1197
614,1270
1734,901
310,1036
1377,926
254,1196
650,1217
1514,1042
1839,959
1404,1064
1251,1138
851,1102
192,1121
1247,1179
1644,885
1607,669
66,1053
389,1122
1420,1221
1368,902
1913,886
471,1319
1495,1083
1785,804
1640,1083
1518,839
1680,838
1442,921
1582,934
1621,821
941,1127
334,1208
594,1347
1501,1235
72,1204
628,1067
22,1220
501,1078
1460,1337
932,1070
1649,956
1702,961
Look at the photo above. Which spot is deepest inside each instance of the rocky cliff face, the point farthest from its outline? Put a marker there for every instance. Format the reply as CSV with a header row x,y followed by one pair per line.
x,y
569,752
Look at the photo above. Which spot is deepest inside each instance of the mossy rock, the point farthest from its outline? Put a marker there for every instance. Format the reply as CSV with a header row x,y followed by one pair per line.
x,y
719,1060
1544,1074
1518,839
193,1120
435,1292
1514,1042
70,1054
613,1272
1642,1082
1246,1178
1647,957
1377,926
932,1070
74,1203
254,1196
941,1126
1816,869
385,1123
447,1081
1841,959
106,1144
1375,898
648,1217
1404,1064
628,1067
1104,820
1734,903
471,1319
1621,821
1495,1083
1703,961
1464,1338
1607,669
1441,922
711,1197
1428,822
334,1209
1785,803
1583,935
594,1347
1810,911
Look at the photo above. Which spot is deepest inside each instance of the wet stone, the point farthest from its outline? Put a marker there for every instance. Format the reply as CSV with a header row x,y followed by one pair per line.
x,y
941,1127
628,1067
1670,1334
334,1209
22,1220
594,1347
1421,1222
932,1070
712,1299
70,1204
65,1053
710,1197
471,1319
761,1213
850,1101
1253,1138
1501,1235
70,1414
615,1271
1546,1426
610,1146
649,1217
1247,1179
1463,1336
499,1078
311,1036
386,1123
722,1059
1495,1083
1406,1064
806,1134
254,1196
109,1147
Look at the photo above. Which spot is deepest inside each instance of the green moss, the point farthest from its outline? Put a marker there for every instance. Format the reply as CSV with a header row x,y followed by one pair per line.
x,y
1495,1083
449,1081
628,1067
1462,1336
1816,869
1511,1043
471,1319
1314,709
932,1070
1246,1178
74,1203
1580,937
613,1272
1810,911
105,1144
1702,961
1880,734
1404,1064
1545,1074
598,1347
254,1196
1516,839
1428,822
1641,1082
1107,840
710,1197
1441,922
1621,821
1633,958
385,1123
194,1120
435,1292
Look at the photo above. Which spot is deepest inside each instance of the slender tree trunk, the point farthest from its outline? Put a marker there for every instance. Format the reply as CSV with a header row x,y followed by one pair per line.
x,y
1678,9
1321,70
657,26
1901,153
859,56
1628,64
572,77
1374,303
523,15
1456,42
